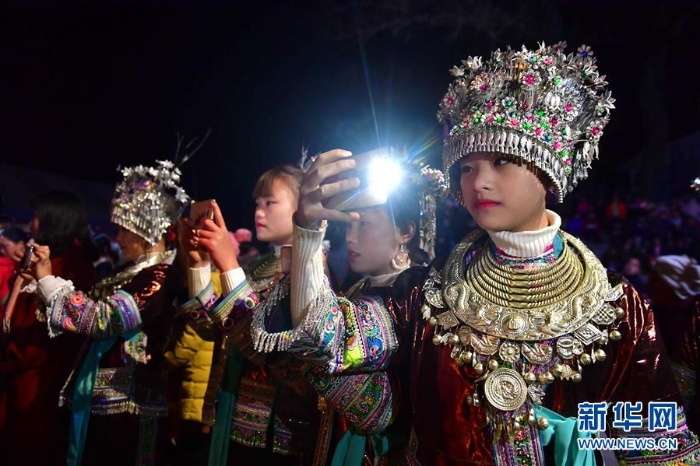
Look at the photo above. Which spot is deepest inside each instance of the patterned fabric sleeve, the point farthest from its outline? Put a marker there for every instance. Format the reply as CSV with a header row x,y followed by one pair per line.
x,y
137,303
344,335
198,307
235,306
72,311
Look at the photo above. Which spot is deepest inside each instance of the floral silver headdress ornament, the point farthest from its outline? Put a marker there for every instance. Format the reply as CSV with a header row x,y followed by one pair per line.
x,y
433,186
543,106
696,184
149,199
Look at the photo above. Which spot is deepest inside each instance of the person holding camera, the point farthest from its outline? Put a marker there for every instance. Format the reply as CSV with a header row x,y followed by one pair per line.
x,y
262,415
384,239
34,366
118,384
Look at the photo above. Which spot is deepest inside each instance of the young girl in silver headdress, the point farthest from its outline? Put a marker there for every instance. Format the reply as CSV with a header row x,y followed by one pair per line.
x,y
118,377
526,330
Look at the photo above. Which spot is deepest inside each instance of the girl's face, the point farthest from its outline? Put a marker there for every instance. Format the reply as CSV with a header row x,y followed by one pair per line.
x,y
14,251
273,215
500,194
372,241
131,244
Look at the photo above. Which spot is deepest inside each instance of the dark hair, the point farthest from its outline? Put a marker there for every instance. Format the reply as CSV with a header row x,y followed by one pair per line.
x,y
292,176
404,206
62,221
14,234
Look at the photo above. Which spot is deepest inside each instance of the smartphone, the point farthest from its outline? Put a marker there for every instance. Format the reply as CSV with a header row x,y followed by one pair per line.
x,y
27,258
200,210
374,186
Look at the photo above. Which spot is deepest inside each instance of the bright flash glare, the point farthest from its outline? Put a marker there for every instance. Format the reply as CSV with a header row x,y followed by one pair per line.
x,y
696,184
384,175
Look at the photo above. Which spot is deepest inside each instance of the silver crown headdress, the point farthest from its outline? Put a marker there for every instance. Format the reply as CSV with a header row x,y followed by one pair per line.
x,y
149,199
543,106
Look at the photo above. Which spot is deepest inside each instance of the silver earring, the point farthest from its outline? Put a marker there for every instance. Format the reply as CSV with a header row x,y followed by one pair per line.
x,y
401,261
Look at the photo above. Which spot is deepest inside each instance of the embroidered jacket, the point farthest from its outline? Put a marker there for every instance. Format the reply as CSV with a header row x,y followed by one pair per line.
x,y
134,308
275,407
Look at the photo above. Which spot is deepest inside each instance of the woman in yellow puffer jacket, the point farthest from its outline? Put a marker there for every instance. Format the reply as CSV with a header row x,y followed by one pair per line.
x,y
190,361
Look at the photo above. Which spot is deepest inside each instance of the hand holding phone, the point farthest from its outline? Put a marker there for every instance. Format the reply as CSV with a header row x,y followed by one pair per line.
x,y
201,210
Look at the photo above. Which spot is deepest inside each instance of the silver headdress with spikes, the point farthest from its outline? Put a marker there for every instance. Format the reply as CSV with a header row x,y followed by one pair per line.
x,y
149,199
543,106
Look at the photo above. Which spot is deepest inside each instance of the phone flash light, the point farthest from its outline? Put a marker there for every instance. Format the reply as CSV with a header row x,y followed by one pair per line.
x,y
384,176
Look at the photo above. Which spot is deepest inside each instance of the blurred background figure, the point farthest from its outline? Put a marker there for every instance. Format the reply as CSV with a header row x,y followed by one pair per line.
x,y
674,289
12,248
33,365
106,263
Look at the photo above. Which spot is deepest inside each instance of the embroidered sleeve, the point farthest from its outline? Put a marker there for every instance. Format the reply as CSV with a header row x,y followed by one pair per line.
x,y
143,299
71,311
233,307
336,333
666,441
201,302
366,400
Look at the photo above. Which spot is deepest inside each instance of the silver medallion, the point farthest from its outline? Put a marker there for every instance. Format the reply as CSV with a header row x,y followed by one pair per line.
x,y
505,389
568,346
447,320
536,393
434,298
615,293
509,352
515,325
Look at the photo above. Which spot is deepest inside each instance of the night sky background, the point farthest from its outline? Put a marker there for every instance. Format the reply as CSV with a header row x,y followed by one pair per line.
x,y
87,86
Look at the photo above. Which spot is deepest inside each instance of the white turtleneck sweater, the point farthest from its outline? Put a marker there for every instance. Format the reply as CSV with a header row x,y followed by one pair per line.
x,y
527,243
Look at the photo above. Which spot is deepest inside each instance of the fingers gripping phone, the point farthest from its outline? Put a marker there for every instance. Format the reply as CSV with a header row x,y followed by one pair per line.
x,y
200,210
378,174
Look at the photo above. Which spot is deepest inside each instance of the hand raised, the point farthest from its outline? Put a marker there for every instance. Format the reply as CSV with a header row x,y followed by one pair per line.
x,y
189,244
214,237
313,191
41,262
